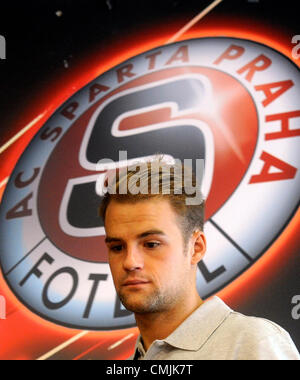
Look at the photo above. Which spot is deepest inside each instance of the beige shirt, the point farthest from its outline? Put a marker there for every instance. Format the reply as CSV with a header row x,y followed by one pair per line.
x,y
215,332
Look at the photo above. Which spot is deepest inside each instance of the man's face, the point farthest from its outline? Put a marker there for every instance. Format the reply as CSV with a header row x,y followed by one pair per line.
x,y
151,273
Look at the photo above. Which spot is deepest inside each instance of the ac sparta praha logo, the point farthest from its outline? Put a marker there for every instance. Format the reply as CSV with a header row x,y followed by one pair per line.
x,y
233,102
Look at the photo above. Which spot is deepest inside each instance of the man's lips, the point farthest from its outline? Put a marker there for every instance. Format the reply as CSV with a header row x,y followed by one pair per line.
x,y
135,282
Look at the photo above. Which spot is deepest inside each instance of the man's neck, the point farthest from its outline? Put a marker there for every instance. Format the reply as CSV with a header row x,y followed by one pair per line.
x,y
158,326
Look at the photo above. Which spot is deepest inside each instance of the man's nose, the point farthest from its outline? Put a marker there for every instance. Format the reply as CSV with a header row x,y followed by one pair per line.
x,y
133,260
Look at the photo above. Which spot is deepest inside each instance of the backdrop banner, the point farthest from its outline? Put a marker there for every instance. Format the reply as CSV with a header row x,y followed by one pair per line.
x,y
211,83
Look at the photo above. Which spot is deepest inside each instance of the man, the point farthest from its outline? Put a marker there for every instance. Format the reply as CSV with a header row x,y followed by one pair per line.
x,y
155,241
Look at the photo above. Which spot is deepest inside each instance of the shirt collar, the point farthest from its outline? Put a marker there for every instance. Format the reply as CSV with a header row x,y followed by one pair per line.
x,y
200,325
139,351
192,334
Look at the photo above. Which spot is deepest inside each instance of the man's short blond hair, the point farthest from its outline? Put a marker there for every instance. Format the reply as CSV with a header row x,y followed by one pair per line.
x,y
158,179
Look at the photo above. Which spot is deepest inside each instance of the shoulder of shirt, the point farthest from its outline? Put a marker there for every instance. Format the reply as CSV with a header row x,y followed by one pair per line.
x,y
236,322
237,328
255,326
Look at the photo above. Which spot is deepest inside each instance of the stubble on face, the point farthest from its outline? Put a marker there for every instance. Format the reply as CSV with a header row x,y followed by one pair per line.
x,y
155,302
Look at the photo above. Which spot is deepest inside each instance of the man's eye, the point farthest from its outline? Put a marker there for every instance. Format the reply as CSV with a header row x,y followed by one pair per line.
x,y
152,245
117,248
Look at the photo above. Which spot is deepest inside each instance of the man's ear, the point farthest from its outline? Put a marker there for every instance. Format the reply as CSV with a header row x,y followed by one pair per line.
x,y
198,247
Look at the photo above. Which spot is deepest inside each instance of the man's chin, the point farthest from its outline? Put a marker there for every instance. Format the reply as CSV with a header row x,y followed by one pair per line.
x,y
138,307
137,303
142,304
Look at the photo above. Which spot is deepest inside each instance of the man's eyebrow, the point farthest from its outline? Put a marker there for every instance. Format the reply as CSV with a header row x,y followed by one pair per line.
x,y
151,232
109,239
